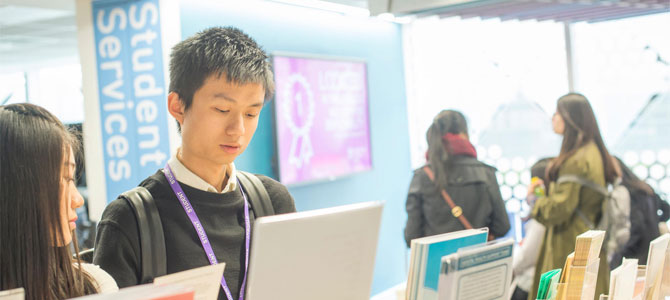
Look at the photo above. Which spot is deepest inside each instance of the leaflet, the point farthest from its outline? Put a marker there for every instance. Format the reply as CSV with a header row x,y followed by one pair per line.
x,y
205,281
482,272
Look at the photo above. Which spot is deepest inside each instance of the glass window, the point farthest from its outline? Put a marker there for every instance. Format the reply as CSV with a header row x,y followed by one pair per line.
x,y
12,88
504,76
623,67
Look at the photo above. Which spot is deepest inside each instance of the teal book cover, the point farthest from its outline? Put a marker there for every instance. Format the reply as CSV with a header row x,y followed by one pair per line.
x,y
437,250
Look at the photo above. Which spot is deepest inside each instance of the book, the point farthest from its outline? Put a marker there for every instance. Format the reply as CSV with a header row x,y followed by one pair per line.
x,y
566,267
205,281
580,272
561,290
480,272
639,282
554,284
665,281
581,280
413,276
146,292
622,280
13,294
548,282
655,261
588,246
425,257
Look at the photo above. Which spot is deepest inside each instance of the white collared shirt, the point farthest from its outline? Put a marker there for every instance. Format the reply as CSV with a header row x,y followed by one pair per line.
x,y
184,175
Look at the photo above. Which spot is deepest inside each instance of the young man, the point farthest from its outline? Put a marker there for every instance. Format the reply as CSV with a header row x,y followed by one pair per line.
x,y
219,81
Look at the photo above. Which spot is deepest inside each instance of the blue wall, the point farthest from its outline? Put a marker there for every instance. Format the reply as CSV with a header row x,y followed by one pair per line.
x,y
279,27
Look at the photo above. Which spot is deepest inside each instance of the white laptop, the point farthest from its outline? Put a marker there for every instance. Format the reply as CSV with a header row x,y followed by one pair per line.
x,y
320,254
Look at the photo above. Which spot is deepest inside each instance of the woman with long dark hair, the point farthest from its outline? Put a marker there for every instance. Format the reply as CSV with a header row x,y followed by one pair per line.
x,y
645,206
568,208
469,184
38,199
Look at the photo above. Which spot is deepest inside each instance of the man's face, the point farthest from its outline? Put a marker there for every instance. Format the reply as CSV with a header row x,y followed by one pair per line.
x,y
222,120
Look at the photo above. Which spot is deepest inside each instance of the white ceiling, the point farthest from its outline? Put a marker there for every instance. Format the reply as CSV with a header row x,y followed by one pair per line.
x,y
357,3
34,33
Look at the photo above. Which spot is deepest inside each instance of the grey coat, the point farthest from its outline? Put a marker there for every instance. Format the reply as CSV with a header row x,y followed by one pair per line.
x,y
472,185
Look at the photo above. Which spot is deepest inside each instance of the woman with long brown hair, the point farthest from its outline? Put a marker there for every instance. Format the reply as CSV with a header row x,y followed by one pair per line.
x,y
645,220
568,208
38,199
470,184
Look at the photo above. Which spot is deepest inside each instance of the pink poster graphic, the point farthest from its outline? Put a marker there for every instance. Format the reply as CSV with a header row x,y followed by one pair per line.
x,y
321,118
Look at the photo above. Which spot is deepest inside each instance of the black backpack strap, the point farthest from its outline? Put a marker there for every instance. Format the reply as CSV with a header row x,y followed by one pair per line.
x,y
257,194
152,239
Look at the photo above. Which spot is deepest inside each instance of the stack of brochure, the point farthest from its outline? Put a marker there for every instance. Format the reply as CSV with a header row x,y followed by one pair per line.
x,y
622,281
588,247
650,282
426,254
580,273
665,281
655,263
195,284
480,272
639,282
548,285
146,292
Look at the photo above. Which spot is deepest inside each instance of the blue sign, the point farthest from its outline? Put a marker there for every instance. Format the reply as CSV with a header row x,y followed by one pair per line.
x,y
132,91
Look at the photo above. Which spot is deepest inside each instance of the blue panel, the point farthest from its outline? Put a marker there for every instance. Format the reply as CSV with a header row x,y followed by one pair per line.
x,y
129,63
279,27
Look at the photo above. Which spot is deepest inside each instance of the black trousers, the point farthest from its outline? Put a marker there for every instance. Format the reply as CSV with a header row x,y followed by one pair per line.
x,y
519,294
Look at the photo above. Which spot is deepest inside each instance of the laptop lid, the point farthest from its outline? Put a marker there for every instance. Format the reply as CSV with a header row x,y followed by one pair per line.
x,y
320,254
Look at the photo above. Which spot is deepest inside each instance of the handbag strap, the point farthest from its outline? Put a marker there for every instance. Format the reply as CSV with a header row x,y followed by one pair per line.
x,y
456,210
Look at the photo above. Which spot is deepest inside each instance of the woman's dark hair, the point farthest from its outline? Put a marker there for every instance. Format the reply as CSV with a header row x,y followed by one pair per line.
x,y
580,129
631,181
439,151
33,254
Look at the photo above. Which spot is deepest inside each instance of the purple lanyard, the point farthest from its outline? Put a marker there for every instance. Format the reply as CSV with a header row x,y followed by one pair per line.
x,y
201,231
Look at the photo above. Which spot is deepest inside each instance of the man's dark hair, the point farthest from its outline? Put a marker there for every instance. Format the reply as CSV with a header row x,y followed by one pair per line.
x,y
220,51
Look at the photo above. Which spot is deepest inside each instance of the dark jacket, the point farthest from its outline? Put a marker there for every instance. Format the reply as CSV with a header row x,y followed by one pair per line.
x,y
644,219
472,185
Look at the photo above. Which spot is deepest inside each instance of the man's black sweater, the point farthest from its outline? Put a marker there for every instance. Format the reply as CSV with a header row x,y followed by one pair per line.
x,y
117,246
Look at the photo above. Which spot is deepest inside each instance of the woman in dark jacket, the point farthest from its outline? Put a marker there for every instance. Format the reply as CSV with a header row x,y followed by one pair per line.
x,y
471,184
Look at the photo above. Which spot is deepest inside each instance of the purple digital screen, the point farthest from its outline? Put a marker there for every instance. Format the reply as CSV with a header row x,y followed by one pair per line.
x,y
321,118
